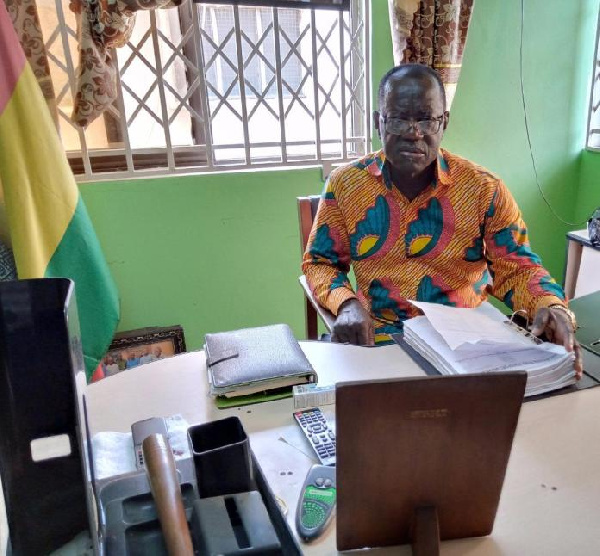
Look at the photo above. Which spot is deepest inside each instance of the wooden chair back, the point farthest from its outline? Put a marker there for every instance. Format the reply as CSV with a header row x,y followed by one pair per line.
x,y
307,210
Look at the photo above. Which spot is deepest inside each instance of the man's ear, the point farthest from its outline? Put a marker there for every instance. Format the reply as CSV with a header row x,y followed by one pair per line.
x,y
446,119
376,122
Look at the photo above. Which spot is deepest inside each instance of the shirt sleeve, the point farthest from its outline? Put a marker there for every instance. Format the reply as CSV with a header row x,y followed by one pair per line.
x,y
326,261
519,279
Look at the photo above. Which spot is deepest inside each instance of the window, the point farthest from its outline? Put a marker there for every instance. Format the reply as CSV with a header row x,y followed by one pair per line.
x,y
256,23
210,87
593,139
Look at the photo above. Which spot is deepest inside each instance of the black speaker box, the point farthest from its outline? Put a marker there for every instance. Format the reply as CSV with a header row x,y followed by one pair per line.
x,y
40,354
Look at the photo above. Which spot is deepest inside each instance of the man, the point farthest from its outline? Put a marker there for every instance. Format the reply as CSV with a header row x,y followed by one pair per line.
x,y
417,222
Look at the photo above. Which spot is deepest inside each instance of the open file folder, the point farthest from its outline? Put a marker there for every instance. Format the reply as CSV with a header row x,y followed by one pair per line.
x,y
460,341
587,309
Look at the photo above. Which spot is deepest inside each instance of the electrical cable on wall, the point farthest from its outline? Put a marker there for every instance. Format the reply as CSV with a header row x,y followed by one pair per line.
x,y
537,181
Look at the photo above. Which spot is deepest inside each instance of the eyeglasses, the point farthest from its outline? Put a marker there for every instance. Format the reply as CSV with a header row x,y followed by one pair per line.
x,y
400,126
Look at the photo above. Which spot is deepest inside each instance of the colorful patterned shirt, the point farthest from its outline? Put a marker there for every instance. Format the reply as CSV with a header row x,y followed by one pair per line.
x,y
461,238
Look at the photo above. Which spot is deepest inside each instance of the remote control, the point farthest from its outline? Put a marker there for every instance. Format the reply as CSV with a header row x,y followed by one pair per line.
x,y
317,502
321,437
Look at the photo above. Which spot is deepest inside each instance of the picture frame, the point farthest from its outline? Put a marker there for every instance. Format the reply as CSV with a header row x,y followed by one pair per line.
x,y
328,4
132,348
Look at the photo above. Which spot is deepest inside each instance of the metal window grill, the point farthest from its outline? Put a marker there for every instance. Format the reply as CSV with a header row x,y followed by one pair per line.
x,y
209,87
593,137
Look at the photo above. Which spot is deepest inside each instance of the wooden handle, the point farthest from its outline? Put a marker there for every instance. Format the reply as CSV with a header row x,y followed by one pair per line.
x,y
162,474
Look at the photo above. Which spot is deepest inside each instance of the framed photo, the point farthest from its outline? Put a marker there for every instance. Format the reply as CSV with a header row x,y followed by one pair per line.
x,y
331,4
135,347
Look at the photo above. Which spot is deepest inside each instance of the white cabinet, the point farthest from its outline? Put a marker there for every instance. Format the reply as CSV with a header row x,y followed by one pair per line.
x,y
582,270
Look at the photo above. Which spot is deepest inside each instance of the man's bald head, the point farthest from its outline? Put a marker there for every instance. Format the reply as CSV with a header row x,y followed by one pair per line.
x,y
416,71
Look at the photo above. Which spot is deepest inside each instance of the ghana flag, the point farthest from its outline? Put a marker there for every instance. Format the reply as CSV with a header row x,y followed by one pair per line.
x,y
51,233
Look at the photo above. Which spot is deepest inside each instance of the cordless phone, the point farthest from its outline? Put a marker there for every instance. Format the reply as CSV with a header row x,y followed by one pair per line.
x,y
317,502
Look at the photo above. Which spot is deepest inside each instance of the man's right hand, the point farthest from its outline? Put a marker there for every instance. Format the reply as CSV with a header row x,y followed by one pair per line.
x,y
353,325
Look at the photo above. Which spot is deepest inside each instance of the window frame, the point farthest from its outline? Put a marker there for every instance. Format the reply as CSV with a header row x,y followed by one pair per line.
x,y
122,161
593,121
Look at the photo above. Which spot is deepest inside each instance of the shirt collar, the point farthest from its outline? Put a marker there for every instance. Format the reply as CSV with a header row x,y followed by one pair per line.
x,y
377,167
442,171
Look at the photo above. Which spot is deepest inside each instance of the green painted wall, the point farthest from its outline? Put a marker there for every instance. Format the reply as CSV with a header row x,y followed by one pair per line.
x,y
382,58
588,198
218,251
487,123
211,252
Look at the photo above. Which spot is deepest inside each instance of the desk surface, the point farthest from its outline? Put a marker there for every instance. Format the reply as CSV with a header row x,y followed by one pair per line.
x,y
580,236
550,503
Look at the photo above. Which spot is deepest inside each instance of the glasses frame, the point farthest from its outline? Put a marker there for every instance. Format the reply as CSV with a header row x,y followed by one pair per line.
x,y
417,124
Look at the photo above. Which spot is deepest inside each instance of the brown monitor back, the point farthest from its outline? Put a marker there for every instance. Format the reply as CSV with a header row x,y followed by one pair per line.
x,y
433,441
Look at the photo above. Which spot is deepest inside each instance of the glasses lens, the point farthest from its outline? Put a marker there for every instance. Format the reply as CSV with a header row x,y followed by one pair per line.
x,y
398,126
428,127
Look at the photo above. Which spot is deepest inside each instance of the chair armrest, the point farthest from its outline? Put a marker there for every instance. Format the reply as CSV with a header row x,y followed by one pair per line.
x,y
326,316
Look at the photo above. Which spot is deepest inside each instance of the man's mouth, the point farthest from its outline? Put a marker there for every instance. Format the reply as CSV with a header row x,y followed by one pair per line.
x,y
410,148
411,153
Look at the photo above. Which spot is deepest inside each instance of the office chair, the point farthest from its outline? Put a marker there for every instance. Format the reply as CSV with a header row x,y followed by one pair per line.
x,y
307,209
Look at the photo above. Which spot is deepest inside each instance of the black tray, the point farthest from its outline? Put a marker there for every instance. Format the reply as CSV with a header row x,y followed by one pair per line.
x,y
132,526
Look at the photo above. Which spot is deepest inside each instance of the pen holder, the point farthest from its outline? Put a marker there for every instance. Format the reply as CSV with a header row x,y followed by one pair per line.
x,y
221,452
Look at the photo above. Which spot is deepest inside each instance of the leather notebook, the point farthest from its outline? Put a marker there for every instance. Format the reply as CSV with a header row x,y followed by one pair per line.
x,y
253,361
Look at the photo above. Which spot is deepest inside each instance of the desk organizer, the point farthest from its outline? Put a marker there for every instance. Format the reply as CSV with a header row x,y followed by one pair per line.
x,y
250,523
221,453
131,525
237,524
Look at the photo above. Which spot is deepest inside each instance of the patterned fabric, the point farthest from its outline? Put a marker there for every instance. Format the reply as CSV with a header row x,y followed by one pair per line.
x,y
103,25
8,269
431,32
442,247
25,20
593,226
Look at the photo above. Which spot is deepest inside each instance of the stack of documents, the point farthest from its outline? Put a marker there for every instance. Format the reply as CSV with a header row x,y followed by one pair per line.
x,y
462,341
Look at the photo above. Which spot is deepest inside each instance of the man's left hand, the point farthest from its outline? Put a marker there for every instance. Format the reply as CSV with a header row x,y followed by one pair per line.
x,y
557,328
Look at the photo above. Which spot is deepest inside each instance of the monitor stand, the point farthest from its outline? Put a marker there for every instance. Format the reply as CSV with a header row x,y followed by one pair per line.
x,y
426,532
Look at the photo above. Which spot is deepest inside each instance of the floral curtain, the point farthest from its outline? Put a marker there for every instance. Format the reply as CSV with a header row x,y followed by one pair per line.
x,y
25,20
103,25
431,32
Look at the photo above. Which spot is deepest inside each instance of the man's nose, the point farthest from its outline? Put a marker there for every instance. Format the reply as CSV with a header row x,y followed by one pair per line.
x,y
413,133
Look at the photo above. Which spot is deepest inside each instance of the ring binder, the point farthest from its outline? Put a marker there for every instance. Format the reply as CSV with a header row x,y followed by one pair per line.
x,y
523,331
459,341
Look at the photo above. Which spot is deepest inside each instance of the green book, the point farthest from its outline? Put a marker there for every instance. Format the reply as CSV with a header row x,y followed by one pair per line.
x,y
269,396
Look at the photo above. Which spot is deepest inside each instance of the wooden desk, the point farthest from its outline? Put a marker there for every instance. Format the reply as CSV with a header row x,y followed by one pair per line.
x,y
582,267
550,503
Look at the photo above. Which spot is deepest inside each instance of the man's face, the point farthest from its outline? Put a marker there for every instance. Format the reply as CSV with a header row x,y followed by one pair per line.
x,y
412,98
